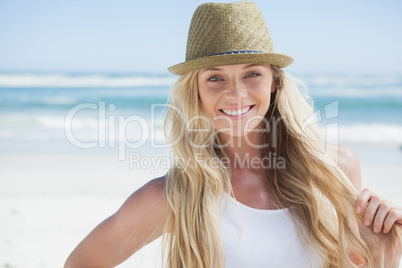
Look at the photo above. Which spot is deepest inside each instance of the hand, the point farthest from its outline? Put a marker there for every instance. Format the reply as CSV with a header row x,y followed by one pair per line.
x,y
382,213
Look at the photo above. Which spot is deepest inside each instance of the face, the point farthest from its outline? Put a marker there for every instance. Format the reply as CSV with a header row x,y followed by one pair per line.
x,y
236,97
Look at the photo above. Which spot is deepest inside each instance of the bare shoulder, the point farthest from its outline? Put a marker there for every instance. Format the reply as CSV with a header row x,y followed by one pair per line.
x,y
150,198
143,214
348,162
139,221
155,188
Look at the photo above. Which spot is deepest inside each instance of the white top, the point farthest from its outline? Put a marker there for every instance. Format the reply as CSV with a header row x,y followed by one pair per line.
x,y
261,238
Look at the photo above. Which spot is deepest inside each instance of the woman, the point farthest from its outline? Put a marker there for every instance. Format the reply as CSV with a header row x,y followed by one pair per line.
x,y
252,187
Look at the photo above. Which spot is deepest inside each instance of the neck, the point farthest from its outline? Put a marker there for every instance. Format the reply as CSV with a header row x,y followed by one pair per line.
x,y
243,150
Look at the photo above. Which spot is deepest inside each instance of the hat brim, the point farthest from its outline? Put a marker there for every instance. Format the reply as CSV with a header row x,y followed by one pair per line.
x,y
280,60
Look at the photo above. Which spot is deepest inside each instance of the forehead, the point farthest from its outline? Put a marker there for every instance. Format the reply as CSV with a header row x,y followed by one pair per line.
x,y
237,67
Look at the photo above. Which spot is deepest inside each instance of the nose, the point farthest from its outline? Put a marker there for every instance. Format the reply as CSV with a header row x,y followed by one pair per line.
x,y
236,91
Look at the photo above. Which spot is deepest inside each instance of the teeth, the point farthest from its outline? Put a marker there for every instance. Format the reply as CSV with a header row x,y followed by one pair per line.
x,y
238,112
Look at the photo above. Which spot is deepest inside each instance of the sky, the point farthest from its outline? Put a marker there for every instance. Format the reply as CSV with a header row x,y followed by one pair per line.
x,y
344,36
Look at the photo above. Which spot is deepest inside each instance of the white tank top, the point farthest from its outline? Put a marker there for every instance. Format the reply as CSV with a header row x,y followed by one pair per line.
x,y
261,238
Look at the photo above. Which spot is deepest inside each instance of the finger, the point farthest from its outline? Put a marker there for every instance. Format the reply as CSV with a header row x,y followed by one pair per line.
x,y
390,220
379,219
371,210
363,199
356,258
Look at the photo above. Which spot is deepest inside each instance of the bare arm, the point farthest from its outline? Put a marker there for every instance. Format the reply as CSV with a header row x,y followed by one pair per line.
x,y
139,221
379,214
350,165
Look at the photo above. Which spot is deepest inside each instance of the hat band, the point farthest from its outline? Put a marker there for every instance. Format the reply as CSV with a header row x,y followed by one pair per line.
x,y
238,52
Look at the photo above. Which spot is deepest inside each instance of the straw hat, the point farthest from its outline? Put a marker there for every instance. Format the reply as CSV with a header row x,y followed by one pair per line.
x,y
227,34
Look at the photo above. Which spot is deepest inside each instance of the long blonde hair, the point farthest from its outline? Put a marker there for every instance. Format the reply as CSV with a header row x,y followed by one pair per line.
x,y
320,196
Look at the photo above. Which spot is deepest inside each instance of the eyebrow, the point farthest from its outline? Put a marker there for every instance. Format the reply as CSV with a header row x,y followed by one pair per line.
x,y
211,69
252,65
218,68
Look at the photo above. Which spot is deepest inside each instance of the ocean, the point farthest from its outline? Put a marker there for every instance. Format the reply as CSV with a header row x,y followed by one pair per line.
x,y
62,112
74,146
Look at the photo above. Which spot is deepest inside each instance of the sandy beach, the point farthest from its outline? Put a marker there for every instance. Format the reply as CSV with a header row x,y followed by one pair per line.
x,y
51,201
85,87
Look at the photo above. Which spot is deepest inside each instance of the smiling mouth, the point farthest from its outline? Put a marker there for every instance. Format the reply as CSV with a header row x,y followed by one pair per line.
x,y
237,112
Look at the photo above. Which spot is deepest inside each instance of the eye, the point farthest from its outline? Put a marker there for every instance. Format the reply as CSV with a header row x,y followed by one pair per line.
x,y
253,74
214,78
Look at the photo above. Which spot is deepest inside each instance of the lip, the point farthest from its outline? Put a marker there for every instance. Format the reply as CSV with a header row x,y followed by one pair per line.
x,y
237,108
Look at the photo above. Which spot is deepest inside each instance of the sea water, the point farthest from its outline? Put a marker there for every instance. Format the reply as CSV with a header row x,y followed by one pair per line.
x,y
80,111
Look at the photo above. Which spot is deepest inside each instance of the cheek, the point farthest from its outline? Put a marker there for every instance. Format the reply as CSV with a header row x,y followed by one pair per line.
x,y
203,100
208,102
264,96
268,99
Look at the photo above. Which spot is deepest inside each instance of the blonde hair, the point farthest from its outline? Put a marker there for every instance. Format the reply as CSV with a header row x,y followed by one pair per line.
x,y
320,196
